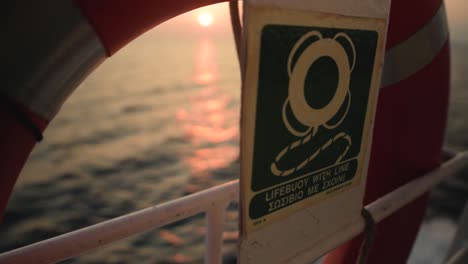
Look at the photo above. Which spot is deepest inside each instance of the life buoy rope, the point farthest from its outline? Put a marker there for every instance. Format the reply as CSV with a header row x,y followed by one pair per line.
x,y
22,117
286,172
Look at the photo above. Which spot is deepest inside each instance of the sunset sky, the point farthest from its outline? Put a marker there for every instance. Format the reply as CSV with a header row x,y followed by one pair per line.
x,y
210,20
214,20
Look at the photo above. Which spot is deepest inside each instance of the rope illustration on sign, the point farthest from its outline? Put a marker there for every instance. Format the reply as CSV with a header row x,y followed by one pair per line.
x,y
308,116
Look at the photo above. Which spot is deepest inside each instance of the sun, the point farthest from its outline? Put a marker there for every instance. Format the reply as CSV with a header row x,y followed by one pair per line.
x,y
205,19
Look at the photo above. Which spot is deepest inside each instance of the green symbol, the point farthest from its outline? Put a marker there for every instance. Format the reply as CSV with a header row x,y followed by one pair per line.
x,y
313,92
308,115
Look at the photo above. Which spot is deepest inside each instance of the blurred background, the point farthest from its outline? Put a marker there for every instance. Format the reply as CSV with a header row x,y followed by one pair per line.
x,y
160,120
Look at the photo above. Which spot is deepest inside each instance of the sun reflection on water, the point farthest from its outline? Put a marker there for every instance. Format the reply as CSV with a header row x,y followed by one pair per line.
x,y
205,64
209,122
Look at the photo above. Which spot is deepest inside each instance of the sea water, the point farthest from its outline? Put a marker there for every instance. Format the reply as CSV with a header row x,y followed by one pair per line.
x,y
157,121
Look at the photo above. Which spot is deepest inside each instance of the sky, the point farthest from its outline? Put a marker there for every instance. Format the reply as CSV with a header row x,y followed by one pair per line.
x,y
210,20
220,25
458,19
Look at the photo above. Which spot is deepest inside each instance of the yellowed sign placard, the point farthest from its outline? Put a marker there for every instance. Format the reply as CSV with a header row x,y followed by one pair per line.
x,y
308,101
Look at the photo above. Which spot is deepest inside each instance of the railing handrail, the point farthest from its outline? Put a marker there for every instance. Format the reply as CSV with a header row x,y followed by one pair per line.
x,y
77,242
213,202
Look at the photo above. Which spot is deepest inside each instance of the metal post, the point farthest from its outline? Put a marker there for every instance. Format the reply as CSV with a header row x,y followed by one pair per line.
x,y
214,235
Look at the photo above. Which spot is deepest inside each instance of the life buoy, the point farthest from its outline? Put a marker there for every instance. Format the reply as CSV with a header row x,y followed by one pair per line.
x,y
72,38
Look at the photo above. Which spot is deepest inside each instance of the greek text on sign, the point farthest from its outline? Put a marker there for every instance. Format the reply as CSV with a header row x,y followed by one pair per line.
x,y
308,102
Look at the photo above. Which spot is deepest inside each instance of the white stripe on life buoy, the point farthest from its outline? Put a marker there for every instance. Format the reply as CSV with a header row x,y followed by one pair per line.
x,y
413,54
51,48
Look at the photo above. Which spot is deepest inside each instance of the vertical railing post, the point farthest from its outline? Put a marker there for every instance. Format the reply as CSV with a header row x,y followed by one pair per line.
x,y
214,233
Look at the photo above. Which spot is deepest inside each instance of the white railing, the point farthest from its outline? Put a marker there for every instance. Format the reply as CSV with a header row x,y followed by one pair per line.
x,y
213,202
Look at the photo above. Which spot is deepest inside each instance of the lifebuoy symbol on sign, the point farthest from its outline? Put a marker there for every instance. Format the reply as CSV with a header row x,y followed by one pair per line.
x,y
310,117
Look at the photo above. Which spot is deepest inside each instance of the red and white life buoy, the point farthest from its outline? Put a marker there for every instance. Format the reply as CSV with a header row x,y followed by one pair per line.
x,y
55,45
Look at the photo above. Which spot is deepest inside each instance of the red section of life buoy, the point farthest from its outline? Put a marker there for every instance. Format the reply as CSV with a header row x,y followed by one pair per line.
x,y
117,22
408,137
16,144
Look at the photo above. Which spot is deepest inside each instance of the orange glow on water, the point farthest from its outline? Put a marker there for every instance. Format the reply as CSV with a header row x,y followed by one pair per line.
x,y
209,122
205,63
208,159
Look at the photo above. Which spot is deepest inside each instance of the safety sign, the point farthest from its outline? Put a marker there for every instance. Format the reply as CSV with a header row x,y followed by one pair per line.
x,y
313,91
307,104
